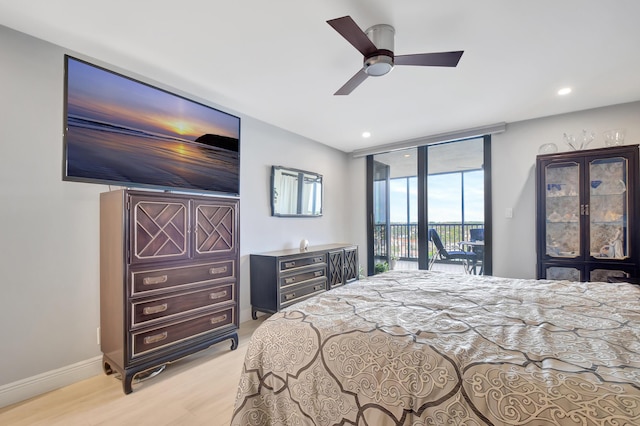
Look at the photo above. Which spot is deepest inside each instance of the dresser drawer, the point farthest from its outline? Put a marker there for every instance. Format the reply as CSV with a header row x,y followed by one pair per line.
x,y
166,307
292,263
301,277
157,279
147,341
296,293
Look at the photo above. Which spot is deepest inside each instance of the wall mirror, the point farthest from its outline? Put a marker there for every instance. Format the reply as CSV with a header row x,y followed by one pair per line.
x,y
295,192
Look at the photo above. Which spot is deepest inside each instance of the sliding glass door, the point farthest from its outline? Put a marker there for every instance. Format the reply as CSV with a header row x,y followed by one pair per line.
x,y
381,184
444,187
394,209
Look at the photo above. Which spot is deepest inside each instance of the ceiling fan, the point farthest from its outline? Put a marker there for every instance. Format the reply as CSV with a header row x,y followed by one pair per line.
x,y
376,45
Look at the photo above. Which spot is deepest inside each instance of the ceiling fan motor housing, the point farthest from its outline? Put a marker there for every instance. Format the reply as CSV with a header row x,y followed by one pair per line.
x,y
381,61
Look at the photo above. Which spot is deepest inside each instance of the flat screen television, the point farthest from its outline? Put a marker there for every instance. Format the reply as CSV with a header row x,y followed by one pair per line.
x,y
121,131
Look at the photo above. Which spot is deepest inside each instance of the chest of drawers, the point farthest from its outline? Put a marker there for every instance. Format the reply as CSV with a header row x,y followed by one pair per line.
x,y
282,278
168,278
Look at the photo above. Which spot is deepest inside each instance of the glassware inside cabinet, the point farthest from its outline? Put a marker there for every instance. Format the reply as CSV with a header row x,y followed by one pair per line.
x,y
608,208
562,202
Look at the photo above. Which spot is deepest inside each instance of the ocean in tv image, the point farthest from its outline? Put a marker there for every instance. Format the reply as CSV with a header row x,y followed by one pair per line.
x,y
128,133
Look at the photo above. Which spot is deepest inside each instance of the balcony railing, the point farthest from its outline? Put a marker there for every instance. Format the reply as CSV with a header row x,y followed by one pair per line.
x,y
403,238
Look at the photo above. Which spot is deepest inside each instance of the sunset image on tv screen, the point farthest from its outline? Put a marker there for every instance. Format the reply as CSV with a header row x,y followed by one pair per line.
x,y
122,131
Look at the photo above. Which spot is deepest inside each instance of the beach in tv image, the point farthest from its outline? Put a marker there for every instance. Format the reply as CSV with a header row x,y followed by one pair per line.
x,y
122,131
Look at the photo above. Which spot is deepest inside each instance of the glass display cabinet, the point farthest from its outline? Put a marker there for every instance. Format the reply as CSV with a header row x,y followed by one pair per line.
x,y
587,224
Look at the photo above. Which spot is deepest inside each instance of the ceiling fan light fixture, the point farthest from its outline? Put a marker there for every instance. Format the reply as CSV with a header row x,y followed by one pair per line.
x,y
379,65
380,62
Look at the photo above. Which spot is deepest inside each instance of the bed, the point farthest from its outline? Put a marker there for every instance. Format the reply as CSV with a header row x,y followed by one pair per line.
x,y
431,348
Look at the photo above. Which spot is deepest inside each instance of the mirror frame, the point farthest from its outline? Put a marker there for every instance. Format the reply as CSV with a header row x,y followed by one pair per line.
x,y
300,173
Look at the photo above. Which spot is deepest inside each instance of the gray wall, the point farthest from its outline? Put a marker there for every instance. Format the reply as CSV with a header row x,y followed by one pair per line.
x,y
49,307
48,229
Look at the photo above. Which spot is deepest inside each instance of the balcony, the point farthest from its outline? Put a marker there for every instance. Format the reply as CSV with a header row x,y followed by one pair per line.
x,y
403,240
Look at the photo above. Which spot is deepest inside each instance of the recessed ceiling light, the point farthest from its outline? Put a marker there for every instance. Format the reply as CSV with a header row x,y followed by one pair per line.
x,y
366,134
407,155
564,91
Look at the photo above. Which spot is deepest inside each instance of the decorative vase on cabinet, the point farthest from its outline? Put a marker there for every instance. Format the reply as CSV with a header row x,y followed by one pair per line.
x,y
587,215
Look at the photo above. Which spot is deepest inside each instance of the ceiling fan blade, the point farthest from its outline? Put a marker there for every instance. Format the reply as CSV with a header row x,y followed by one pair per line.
x,y
354,82
439,59
348,29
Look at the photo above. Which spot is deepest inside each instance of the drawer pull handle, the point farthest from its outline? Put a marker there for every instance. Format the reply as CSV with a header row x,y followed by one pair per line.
x,y
289,264
289,296
290,280
318,287
155,280
218,270
218,295
317,259
155,309
219,319
318,273
155,338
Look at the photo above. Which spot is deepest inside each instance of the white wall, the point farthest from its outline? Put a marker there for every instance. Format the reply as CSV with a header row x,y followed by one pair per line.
x,y
513,181
357,207
49,230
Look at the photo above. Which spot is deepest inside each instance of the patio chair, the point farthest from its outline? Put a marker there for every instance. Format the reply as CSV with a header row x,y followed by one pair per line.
x,y
468,258
477,234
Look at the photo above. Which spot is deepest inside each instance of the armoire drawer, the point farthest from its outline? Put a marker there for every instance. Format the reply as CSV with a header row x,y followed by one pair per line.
x,y
145,281
145,311
296,293
286,281
158,338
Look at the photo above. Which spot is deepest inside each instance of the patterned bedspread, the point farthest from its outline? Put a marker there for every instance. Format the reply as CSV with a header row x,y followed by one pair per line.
x,y
430,348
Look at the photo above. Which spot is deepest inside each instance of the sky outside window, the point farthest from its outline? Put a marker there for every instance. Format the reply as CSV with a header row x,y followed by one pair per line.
x,y
445,198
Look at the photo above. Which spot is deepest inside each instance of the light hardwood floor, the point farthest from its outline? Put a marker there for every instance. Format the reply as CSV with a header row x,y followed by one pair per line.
x,y
197,390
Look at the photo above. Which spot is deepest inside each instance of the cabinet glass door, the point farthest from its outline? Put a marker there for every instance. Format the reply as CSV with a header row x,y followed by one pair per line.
x,y
608,208
563,209
563,273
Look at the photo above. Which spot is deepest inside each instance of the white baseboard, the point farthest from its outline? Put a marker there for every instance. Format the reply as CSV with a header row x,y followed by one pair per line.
x,y
48,381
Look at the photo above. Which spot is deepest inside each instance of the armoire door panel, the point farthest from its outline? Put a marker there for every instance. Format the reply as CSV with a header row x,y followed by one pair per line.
x,y
214,229
159,230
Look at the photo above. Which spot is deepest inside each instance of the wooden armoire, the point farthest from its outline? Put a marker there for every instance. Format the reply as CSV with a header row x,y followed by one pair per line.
x,y
168,277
